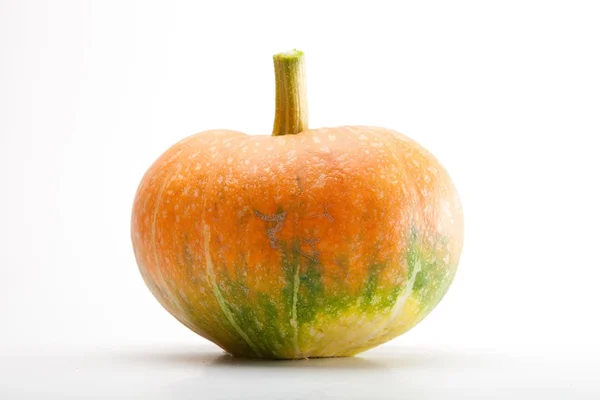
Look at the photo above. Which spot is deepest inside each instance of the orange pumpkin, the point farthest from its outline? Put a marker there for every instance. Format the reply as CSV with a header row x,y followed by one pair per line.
x,y
307,243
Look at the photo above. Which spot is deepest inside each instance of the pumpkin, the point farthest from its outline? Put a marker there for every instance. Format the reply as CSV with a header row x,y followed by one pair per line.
x,y
304,243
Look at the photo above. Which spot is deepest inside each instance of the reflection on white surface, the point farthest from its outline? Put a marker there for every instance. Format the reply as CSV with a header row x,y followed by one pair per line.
x,y
384,373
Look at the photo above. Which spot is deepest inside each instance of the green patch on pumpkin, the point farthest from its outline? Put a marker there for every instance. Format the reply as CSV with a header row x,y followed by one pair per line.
x,y
267,318
259,316
434,277
377,298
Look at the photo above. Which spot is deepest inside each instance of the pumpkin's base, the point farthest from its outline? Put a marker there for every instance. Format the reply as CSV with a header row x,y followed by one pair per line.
x,y
253,357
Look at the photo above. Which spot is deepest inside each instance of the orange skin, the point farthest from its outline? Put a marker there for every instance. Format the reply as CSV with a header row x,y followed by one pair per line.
x,y
294,246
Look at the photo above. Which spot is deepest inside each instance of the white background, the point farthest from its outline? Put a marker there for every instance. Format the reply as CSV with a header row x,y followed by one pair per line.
x,y
506,94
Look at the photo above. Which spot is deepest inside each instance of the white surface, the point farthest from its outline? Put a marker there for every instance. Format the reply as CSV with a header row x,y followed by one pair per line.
x,y
504,93
389,372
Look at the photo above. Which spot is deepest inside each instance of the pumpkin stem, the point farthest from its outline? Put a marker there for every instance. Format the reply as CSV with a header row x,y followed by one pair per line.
x,y
291,108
